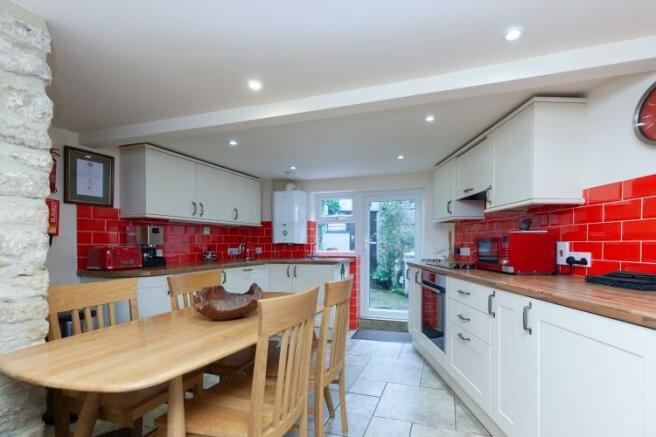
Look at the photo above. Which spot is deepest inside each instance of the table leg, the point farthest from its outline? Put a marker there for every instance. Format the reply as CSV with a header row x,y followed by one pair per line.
x,y
88,415
61,415
175,424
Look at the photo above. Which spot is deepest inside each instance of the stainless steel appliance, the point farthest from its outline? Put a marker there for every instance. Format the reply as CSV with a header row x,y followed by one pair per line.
x,y
433,307
445,263
148,238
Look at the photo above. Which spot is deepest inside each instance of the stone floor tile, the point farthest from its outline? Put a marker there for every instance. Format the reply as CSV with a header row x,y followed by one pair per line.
x,y
429,378
360,410
419,430
391,370
465,420
409,353
367,387
381,427
423,405
379,349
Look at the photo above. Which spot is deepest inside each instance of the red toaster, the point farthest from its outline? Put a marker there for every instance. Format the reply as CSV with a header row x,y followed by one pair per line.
x,y
114,258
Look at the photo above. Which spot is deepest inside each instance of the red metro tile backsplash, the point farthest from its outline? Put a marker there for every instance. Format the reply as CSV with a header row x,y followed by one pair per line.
x,y
617,225
183,242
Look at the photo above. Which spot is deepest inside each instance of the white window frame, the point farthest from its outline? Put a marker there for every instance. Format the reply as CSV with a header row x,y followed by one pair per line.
x,y
353,219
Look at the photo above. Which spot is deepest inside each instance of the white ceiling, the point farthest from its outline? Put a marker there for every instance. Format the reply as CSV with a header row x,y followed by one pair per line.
x,y
123,61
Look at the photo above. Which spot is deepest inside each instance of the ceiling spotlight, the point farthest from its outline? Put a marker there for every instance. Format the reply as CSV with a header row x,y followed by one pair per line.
x,y
514,33
255,85
292,167
233,143
400,157
429,118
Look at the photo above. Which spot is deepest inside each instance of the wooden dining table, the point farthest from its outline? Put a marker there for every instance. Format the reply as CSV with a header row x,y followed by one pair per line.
x,y
133,356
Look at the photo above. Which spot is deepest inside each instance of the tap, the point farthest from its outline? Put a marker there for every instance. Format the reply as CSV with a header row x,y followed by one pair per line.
x,y
242,248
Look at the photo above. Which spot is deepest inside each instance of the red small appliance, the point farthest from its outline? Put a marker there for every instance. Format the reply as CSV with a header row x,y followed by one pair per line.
x,y
114,258
517,252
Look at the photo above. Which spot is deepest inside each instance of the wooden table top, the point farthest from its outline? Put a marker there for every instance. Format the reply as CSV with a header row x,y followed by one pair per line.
x,y
636,307
133,355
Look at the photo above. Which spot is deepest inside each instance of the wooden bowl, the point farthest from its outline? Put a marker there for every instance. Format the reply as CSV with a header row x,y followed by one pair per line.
x,y
217,303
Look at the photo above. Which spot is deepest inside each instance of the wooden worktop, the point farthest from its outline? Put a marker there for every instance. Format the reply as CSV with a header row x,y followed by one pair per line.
x,y
188,268
637,307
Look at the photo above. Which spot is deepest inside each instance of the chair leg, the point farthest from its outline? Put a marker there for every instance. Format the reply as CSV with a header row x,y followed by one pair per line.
x,y
137,428
342,401
198,387
62,427
318,410
303,426
329,402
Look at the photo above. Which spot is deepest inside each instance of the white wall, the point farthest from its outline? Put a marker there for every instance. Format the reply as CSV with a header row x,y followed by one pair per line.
x,y
612,150
62,256
434,237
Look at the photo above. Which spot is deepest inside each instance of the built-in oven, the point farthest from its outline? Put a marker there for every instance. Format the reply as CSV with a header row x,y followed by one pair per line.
x,y
433,307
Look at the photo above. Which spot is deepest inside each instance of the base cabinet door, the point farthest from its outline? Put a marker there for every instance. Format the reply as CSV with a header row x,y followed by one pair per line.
x,y
280,277
593,375
469,362
513,356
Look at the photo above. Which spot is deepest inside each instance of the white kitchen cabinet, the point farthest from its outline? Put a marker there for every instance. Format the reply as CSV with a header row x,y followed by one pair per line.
x,y
300,277
159,183
445,207
537,153
239,279
280,277
413,288
469,363
474,170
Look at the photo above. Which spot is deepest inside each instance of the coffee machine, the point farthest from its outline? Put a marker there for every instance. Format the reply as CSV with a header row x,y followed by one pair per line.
x,y
149,237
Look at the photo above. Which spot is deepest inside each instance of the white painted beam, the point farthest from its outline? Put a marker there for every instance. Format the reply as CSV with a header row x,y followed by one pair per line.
x,y
607,60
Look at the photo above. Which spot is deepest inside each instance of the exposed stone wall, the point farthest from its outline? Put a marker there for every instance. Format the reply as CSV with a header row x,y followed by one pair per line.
x,y
25,113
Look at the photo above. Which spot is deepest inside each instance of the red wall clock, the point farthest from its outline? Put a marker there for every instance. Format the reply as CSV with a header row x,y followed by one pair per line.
x,y
644,120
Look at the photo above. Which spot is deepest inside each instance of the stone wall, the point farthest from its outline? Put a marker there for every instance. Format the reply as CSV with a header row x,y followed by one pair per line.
x,y
25,113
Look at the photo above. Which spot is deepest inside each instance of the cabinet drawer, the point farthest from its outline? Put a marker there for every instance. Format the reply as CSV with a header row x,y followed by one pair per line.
x,y
473,295
469,363
474,321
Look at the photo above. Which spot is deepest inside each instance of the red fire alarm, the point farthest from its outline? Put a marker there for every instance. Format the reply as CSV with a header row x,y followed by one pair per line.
x,y
53,217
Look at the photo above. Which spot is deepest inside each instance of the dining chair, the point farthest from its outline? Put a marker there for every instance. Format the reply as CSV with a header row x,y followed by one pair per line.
x,y
329,364
181,290
257,406
92,306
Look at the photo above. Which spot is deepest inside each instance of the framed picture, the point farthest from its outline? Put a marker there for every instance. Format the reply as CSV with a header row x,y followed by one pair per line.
x,y
88,177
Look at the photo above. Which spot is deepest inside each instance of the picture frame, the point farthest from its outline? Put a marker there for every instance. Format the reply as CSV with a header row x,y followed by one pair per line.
x,y
88,177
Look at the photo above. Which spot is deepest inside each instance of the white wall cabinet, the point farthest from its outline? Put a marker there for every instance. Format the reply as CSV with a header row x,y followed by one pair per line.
x,y
445,207
474,170
159,183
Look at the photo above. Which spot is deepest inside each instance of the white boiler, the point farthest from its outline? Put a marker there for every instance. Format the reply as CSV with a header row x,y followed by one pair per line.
x,y
290,216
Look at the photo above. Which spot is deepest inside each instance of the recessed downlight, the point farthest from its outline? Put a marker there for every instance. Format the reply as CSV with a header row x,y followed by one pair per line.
x,y
514,33
430,118
400,157
233,143
292,167
255,84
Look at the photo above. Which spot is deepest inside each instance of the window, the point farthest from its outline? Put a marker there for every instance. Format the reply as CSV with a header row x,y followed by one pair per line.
x,y
335,224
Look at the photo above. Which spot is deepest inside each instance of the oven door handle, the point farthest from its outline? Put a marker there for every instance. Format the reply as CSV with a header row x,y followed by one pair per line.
x,y
433,289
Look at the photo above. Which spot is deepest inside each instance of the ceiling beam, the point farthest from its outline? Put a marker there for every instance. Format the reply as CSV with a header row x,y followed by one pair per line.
x,y
595,62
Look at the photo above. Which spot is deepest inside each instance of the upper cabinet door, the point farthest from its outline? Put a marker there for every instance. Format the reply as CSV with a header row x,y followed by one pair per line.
x,y
214,194
513,160
443,182
170,185
474,170
246,200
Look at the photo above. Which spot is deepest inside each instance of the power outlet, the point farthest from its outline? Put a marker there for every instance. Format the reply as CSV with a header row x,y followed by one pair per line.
x,y
563,252
580,256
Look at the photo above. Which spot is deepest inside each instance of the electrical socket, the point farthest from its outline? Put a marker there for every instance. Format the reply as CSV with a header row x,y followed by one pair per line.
x,y
563,252
580,256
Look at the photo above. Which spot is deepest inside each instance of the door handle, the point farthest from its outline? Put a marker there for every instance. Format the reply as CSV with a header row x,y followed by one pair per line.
x,y
342,271
489,304
225,277
463,318
488,195
195,208
247,270
236,213
416,274
407,273
288,267
448,207
462,337
464,293
525,318
202,209
467,190
295,271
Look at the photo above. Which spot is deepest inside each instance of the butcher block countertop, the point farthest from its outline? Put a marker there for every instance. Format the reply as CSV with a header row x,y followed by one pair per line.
x,y
637,307
188,268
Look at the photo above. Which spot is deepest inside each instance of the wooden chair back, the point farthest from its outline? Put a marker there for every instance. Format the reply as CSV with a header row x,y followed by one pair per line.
x,y
87,297
336,303
291,317
182,287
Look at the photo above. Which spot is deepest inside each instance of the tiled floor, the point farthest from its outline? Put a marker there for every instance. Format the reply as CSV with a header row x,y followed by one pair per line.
x,y
392,392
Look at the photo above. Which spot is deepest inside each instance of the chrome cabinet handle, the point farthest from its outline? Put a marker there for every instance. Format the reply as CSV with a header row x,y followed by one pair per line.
x,y
525,318
463,318
464,293
448,207
236,215
247,270
225,276
467,190
288,267
202,209
489,304
407,273
342,271
488,195
295,272
195,208
416,274
462,337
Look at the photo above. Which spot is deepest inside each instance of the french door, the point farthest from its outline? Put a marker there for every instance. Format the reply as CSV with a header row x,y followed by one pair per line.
x,y
391,237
